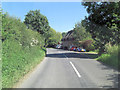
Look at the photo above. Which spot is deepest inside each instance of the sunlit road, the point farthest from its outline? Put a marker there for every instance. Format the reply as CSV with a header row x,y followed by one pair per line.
x,y
68,69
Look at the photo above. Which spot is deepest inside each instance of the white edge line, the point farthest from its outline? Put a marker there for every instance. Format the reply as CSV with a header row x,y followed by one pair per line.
x,y
75,69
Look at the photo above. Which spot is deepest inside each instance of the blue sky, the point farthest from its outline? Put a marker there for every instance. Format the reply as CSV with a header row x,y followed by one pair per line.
x,y
62,16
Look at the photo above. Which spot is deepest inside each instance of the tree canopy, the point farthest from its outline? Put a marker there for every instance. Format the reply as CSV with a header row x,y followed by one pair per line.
x,y
80,32
63,34
54,37
103,22
36,21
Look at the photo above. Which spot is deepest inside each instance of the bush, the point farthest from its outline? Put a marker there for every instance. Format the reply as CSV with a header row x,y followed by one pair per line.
x,y
88,45
90,48
111,49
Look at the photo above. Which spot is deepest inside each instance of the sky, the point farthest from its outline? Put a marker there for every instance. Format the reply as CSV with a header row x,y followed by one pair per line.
x,y
62,16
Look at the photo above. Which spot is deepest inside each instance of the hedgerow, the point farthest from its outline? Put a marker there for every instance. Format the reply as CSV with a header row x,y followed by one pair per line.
x,y
22,49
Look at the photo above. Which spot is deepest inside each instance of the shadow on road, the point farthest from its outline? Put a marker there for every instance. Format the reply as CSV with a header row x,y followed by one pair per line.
x,y
64,55
72,55
92,56
115,78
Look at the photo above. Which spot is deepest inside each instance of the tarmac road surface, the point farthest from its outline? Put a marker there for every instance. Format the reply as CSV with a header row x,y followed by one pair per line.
x,y
69,69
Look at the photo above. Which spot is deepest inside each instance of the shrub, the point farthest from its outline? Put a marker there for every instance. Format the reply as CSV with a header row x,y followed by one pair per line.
x,y
90,48
111,49
88,45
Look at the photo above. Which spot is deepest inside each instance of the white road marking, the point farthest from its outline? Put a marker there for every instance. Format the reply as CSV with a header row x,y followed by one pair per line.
x,y
75,69
65,56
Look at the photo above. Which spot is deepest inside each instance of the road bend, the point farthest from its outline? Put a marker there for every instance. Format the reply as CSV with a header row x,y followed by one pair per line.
x,y
69,69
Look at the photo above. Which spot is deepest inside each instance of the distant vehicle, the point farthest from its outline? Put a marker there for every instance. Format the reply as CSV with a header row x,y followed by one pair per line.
x,y
78,49
72,48
81,50
59,46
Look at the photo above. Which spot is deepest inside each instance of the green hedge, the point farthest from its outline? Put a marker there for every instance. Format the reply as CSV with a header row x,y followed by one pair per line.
x,y
18,56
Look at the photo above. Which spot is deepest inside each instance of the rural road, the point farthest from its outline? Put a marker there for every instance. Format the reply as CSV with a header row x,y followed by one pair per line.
x,y
68,69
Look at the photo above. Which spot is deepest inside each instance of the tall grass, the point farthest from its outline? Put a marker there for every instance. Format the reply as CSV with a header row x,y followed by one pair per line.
x,y
111,57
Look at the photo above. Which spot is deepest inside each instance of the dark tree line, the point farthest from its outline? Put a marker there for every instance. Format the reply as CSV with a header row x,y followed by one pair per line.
x,y
103,23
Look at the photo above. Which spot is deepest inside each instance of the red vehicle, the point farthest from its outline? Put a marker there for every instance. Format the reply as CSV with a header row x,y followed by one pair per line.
x,y
73,48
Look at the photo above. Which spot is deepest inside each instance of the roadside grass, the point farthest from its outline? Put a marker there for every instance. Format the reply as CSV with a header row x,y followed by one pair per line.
x,y
111,60
111,57
94,52
16,62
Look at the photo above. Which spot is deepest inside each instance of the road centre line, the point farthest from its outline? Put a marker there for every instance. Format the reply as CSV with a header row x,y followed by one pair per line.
x,y
65,56
75,69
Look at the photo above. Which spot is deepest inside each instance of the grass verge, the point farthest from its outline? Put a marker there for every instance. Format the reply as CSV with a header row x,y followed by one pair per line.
x,y
111,57
108,59
18,62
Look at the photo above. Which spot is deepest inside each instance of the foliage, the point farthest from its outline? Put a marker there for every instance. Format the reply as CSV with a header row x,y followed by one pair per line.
x,y
80,33
111,57
36,21
110,49
8,29
88,45
103,23
30,37
54,38
20,51
91,47
63,34
82,38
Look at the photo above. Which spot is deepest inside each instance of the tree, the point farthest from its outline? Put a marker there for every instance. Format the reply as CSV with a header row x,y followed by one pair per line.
x,y
103,23
63,34
36,21
80,34
54,38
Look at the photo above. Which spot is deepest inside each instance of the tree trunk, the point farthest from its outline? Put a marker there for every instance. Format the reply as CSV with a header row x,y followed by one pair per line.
x,y
101,49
